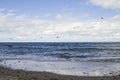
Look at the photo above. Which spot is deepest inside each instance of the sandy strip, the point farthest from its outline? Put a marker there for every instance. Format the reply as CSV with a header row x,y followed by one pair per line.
x,y
9,74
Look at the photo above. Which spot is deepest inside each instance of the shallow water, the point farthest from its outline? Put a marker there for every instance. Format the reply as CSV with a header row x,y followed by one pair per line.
x,y
66,68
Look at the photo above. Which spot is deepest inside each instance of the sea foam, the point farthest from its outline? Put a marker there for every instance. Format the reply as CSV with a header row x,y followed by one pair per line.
x,y
66,68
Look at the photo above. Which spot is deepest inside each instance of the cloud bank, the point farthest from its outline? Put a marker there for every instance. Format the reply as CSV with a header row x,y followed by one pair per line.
x,y
25,28
107,3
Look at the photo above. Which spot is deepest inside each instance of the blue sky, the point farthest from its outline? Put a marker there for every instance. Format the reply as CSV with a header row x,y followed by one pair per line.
x,y
71,20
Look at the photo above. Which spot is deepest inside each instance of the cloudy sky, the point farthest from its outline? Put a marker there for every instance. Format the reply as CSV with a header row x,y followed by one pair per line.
x,y
59,20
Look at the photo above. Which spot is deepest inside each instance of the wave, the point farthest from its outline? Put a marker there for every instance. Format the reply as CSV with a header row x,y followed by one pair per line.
x,y
87,48
66,51
68,55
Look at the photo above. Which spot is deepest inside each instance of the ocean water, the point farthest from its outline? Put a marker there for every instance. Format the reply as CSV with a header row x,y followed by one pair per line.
x,y
82,59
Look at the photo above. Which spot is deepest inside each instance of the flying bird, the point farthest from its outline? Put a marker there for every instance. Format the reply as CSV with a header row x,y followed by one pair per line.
x,y
102,18
57,37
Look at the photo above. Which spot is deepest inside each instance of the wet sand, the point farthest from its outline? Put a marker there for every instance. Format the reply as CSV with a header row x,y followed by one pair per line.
x,y
9,74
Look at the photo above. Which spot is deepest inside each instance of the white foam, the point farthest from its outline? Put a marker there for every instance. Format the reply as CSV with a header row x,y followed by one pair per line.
x,y
66,68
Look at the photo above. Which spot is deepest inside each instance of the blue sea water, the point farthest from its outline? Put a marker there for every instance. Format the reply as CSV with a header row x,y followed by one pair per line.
x,y
61,51
75,58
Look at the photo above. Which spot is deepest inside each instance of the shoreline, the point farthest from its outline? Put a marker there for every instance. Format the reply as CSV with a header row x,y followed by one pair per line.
x,y
10,74
65,68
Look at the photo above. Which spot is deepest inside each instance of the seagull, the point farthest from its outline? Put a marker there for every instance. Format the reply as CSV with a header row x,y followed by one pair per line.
x,y
101,17
57,37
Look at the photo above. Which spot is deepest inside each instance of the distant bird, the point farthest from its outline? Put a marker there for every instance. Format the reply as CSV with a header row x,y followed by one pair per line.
x,y
102,18
57,37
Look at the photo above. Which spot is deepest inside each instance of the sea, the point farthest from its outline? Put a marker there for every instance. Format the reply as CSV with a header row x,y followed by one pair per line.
x,y
65,58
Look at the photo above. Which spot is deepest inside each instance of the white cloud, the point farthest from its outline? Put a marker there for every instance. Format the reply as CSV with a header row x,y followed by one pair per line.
x,y
66,17
22,27
11,10
116,17
84,3
3,9
107,3
10,14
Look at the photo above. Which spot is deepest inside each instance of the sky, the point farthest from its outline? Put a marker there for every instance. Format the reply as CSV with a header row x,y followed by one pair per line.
x,y
59,20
